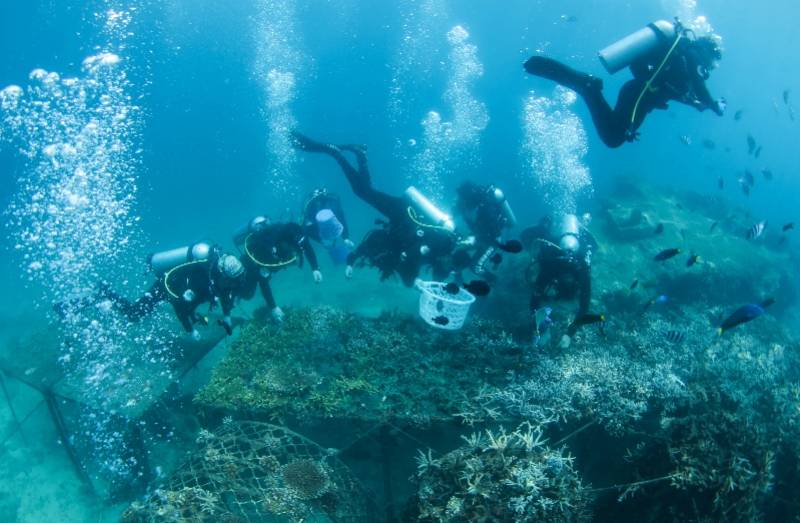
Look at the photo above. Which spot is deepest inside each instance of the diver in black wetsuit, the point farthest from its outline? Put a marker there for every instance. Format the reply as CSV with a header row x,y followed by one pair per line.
x,y
186,278
269,247
487,214
674,68
565,262
404,244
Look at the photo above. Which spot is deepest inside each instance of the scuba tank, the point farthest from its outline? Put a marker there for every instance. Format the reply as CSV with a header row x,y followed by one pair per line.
x,y
623,53
254,225
500,198
429,210
328,226
568,230
162,262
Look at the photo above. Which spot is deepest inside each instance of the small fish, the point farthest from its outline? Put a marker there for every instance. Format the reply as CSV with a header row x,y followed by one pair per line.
x,y
659,229
738,115
749,178
786,97
441,320
674,336
744,314
662,298
745,188
751,144
511,246
693,259
452,288
713,226
709,144
478,287
720,183
758,152
666,254
569,18
787,227
634,284
755,232
767,174
685,140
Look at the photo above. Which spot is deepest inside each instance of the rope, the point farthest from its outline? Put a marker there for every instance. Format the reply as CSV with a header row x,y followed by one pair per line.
x,y
263,264
652,79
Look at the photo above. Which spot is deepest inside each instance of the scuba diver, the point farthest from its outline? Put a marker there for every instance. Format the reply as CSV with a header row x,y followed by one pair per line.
x,y
268,248
487,214
565,267
416,233
668,62
187,277
325,222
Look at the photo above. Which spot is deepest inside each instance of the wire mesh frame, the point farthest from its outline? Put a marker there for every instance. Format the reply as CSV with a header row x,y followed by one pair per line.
x,y
253,471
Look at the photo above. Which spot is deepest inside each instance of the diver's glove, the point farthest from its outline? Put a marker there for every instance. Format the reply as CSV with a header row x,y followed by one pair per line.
x,y
195,335
349,244
278,315
317,276
348,272
226,324
720,106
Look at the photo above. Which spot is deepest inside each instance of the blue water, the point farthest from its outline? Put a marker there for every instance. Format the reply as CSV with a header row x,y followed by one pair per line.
x,y
201,148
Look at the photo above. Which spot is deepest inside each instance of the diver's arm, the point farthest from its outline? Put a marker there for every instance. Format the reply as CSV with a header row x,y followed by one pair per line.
x,y
308,251
343,220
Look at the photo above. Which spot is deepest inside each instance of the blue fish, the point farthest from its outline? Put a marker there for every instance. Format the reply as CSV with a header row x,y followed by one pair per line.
x,y
744,314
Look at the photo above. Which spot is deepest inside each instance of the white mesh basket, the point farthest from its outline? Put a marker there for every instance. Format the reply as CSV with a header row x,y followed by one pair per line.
x,y
443,310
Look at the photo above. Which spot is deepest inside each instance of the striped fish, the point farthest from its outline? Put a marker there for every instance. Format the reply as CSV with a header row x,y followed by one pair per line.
x,y
755,232
675,336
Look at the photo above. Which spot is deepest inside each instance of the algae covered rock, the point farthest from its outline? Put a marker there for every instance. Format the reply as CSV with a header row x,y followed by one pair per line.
x,y
323,363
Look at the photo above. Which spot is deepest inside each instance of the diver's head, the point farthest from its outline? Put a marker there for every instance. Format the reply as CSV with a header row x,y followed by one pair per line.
x,y
230,269
468,192
319,191
258,223
710,50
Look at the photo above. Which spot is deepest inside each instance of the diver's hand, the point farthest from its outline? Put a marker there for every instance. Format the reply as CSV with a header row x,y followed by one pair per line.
x,y
226,324
348,272
720,106
349,244
278,315
194,335
317,276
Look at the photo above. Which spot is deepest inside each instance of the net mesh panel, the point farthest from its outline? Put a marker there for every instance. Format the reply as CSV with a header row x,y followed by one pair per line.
x,y
252,471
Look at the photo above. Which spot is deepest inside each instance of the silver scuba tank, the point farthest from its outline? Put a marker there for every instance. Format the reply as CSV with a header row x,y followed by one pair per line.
x,y
427,208
623,53
500,197
568,230
161,262
252,226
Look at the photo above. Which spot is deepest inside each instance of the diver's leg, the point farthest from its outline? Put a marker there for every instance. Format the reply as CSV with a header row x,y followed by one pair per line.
x,y
266,291
626,105
184,314
584,290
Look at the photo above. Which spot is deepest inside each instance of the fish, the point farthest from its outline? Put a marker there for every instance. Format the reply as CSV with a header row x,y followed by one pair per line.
x,y
745,188
713,226
496,259
662,298
569,18
749,178
738,115
721,183
758,152
511,246
751,144
744,314
441,320
786,96
452,288
478,287
709,144
634,283
583,320
674,336
666,254
685,140
767,174
755,232
787,227
693,259
659,228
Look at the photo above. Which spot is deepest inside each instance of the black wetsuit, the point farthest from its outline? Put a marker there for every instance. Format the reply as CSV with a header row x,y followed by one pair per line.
x,y
201,278
682,79
318,202
561,274
268,250
395,248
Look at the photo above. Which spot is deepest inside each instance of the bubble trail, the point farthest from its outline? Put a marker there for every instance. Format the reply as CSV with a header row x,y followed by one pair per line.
x,y
278,64
554,147
446,144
